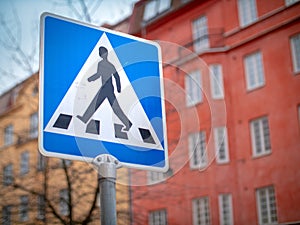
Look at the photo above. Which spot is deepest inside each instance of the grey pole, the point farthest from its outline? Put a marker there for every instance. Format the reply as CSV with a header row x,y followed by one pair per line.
x,y
107,171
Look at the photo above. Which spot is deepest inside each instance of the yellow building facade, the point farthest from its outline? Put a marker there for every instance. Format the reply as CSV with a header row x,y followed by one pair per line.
x,y
39,190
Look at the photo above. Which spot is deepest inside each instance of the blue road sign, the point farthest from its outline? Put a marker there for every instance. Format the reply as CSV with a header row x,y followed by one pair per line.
x,y
101,92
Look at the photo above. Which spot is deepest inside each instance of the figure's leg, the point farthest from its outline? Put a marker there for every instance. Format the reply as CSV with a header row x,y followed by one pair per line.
x,y
119,112
93,106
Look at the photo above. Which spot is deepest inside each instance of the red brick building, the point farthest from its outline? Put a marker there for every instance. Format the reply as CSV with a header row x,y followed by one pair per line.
x,y
232,88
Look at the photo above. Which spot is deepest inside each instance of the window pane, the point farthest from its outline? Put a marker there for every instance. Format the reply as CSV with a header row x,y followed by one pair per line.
x,y
64,202
225,209
193,88
41,207
290,2
158,217
197,150
200,34
8,135
163,5
247,11
216,81
24,208
24,167
41,162
266,202
6,215
221,144
33,125
8,175
254,71
295,45
201,212
260,133
155,7
150,10
155,177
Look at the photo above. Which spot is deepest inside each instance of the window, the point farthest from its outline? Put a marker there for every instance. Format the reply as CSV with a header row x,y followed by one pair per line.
x,y
247,12
216,81
24,167
158,217
64,202
197,150
254,70
33,125
155,177
193,88
201,212
41,207
221,144
295,46
8,175
155,7
290,2
41,162
260,135
225,209
200,34
266,205
6,215
24,208
9,135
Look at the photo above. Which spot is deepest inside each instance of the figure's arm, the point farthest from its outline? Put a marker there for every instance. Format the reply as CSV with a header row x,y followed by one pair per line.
x,y
95,76
118,83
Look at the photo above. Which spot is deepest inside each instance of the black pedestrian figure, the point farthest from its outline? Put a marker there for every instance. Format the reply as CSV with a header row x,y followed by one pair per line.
x,y
106,70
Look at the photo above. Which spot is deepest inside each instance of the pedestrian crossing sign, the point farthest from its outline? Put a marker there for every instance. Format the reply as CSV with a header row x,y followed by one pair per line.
x,y
101,92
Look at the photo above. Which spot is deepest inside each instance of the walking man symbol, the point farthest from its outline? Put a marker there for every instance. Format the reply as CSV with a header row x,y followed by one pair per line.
x,y
106,71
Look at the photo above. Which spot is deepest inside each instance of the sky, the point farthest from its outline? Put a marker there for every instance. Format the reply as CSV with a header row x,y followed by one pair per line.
x,y
26,14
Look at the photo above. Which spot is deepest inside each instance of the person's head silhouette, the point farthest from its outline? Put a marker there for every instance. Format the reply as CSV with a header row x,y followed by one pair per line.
x,y
103,52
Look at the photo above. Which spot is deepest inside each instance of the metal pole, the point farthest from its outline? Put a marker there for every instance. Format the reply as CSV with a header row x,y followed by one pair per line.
x,y
107,171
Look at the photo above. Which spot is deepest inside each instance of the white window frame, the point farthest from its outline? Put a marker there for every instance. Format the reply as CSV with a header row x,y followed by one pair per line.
x,y
193,88
225,209
24,208
266,199
24,163
295,48
9,135
158,217
261,137
201,211
34,121
247,12
197,150
200,34
216,81
221,144
154,8
254,70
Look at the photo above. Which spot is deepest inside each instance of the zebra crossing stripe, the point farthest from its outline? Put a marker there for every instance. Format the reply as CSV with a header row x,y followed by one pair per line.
x,y
93,127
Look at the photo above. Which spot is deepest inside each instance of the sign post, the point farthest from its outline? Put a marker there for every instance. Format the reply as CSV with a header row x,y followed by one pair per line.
x,y
107,170
101,101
